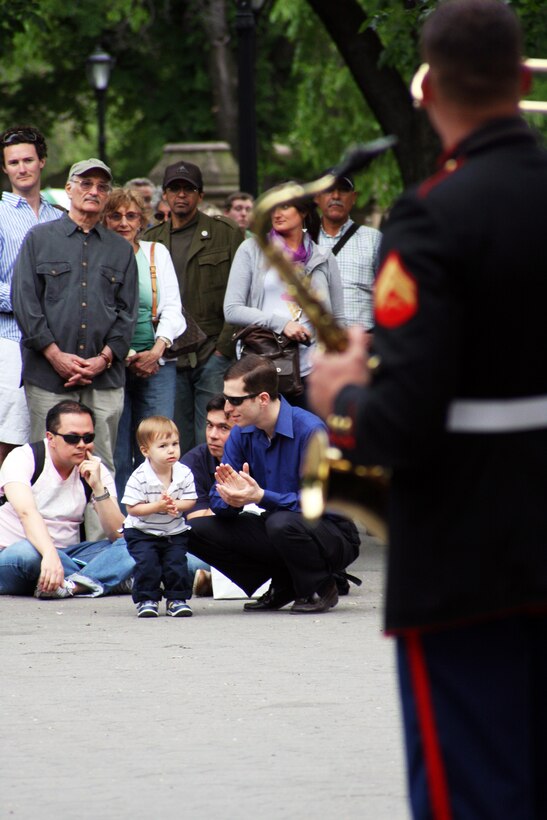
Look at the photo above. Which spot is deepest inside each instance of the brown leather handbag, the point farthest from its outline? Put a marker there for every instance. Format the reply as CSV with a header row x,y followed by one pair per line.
x,y
281,350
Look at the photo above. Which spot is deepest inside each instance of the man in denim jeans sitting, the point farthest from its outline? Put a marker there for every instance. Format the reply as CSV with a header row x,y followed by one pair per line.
x,y
40,543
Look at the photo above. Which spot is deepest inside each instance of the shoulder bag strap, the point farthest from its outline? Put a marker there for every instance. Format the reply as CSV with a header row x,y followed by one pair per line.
x,y
154,280
343,239
39,452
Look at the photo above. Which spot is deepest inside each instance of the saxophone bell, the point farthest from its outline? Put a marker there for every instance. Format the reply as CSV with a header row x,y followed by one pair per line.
x,y
331,483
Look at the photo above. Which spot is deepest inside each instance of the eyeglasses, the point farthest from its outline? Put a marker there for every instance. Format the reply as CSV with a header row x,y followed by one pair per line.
x,y
161,216
131,216
17,136
74,438
177,187
87,185
236,401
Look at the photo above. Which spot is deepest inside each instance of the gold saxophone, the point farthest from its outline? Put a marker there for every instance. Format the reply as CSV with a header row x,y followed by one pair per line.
x,y
328,480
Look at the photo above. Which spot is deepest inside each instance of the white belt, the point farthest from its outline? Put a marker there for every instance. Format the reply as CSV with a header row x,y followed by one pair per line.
x,y
497,415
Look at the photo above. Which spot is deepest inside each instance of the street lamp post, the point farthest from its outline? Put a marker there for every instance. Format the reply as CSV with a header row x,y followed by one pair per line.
x,y
98,66
246,11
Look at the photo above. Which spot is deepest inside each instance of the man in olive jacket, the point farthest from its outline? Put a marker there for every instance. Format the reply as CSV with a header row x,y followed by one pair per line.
x,y
202,249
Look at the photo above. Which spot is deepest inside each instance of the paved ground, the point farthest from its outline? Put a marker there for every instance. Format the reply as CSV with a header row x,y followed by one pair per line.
x,y
224,715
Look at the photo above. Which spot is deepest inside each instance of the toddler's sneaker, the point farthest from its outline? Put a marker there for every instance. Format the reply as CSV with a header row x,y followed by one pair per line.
x,y
66,590
147,609
178,609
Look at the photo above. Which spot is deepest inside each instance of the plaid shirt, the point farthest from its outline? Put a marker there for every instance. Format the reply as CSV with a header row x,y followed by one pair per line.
x,y
16,219
358,263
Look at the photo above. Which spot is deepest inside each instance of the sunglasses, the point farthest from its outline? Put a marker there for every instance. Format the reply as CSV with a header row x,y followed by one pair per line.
x,y
74,438
131,216
236,401
176,187
17,136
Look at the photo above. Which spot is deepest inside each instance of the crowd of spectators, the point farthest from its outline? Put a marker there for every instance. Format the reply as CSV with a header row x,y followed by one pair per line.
x,y
91,302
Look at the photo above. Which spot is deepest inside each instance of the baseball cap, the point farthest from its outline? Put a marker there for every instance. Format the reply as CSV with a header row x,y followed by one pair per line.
x,y
345,182
86,165
186,171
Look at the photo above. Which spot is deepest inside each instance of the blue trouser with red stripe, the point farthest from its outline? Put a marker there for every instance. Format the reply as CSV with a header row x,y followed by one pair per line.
x,y
475,716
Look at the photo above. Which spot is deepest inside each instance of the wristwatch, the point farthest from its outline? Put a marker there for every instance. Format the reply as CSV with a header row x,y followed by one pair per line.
x,y
102,497
167,342
107,359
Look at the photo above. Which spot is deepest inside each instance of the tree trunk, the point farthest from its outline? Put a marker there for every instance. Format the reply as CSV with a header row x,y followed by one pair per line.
x,y
382,87
222,70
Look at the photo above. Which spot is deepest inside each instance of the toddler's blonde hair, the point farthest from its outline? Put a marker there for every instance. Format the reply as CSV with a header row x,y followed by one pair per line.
x,y
154,427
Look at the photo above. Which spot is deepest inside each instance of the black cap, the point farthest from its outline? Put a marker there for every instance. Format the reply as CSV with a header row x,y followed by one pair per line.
x,y
185,171
346,180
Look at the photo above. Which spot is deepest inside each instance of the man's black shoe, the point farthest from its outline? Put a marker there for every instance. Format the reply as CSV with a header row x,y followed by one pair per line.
x,y
342,584
318,602
269,601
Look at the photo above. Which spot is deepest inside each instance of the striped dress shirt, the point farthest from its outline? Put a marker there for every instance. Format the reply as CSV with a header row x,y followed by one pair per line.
x,y
16,219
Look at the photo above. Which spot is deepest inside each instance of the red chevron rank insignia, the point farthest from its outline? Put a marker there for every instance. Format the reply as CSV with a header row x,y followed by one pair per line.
x,y
395,293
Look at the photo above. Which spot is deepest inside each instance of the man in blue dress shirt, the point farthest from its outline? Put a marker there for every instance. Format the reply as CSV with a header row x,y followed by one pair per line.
x,y
24,152
262,460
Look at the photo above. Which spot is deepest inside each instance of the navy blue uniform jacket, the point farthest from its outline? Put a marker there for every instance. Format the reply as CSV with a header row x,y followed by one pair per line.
x,y
461,301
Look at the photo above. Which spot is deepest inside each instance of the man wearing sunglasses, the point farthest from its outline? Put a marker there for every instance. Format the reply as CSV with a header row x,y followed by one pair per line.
x,y
202,248
75,296
24,153
261,465
356,248
41,548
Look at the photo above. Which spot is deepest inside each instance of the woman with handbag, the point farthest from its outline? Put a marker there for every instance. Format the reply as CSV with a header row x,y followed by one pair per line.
x,y
150,379
256,294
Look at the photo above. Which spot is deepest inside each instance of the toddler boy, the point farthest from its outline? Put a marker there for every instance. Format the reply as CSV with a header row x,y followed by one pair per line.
x,y
157,495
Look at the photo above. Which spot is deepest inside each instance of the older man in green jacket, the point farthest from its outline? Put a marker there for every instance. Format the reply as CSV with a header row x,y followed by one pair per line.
x,y
202,249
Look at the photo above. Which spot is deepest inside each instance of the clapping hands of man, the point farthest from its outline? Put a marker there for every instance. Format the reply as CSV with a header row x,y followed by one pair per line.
x,y
237,488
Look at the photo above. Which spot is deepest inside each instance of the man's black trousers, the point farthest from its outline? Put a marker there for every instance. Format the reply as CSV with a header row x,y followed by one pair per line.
x,y
281,545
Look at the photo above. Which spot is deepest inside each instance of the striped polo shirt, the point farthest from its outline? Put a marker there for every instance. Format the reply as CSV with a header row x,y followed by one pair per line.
x,y
145,487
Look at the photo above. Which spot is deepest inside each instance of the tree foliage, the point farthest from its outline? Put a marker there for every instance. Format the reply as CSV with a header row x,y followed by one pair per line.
x,y
328,112
159,90
174,78
379,41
